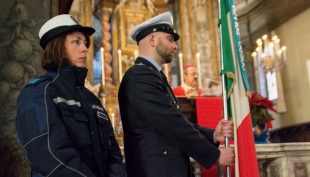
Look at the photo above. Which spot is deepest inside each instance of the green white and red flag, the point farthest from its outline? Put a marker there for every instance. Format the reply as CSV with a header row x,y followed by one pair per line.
x,y
237,89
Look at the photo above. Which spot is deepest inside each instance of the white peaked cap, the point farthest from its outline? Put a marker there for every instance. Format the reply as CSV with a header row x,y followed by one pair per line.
x,y
162,23
58,25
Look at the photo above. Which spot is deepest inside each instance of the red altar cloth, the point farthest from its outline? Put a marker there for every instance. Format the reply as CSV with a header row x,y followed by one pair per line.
x,y
209,113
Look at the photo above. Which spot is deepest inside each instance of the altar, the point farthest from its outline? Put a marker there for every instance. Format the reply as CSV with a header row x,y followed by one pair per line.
x,y
205,111
274,159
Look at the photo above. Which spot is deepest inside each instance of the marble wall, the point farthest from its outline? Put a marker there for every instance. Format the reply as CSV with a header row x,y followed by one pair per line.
x,y
196,22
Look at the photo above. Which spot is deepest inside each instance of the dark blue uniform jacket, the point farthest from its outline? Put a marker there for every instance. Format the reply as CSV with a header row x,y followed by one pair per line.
x,y
64,129
158,138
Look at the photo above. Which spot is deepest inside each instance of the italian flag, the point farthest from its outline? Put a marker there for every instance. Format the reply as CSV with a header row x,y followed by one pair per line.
x,y
237,89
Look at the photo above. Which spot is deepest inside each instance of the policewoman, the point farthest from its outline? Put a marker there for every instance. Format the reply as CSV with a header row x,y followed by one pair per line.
x,y
62,126
158,138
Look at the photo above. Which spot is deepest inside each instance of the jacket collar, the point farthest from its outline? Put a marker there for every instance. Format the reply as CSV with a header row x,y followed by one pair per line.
x,y
70,74
141,60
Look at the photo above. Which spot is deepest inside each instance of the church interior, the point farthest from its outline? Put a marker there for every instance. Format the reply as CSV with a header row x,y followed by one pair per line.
x,y
274,36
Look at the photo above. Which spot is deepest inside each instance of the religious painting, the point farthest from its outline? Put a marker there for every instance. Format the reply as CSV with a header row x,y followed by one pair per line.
x,y
130,24
128,20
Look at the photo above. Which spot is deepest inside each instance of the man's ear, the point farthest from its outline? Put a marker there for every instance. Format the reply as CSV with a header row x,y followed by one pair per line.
x,y
152,40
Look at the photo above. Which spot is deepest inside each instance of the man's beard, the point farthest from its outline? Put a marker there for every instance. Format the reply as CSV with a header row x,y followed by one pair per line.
x,y
161,50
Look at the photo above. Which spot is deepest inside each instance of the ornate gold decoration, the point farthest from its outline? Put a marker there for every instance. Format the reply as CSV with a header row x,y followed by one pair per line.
x,y
132,14
127,15
269,56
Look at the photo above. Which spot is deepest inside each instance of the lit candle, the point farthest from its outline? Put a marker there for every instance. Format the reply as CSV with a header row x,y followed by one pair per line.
x,y
277,47
103,101
112,120
136,54
102,64
120,65
271,51
284,54
198,69
166,70
181,67
254,54
259,55
277,44
265,43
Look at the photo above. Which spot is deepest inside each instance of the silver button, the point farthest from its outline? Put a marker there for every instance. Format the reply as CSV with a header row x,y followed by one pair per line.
x,y
165,152
178,106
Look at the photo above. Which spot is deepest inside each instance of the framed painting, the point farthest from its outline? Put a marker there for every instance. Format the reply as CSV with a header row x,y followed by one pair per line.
x,y
128,20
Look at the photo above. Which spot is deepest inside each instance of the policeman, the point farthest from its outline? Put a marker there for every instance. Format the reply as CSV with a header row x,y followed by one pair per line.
x,y
158,138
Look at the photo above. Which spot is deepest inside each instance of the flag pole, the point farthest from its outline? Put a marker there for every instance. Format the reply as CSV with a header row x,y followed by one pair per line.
x,y
224,94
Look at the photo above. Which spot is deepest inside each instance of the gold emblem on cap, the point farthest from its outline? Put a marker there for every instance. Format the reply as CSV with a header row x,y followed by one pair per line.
x,y
74,20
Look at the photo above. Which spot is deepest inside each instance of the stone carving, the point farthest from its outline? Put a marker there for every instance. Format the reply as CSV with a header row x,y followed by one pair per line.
x,y
20,63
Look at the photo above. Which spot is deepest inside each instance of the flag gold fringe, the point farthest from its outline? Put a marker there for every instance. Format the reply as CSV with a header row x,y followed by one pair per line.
x,y
232,76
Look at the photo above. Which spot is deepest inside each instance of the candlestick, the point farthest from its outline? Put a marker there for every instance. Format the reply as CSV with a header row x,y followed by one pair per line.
x,y
136,54
120,65
254,54
102,65
112,120
181,67
198,69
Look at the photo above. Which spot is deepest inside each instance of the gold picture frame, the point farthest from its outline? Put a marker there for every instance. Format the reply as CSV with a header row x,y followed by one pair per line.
x,y
128,20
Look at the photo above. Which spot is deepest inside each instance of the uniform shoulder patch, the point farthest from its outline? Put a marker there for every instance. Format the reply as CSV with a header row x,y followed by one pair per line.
x,y
35,80
38,80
